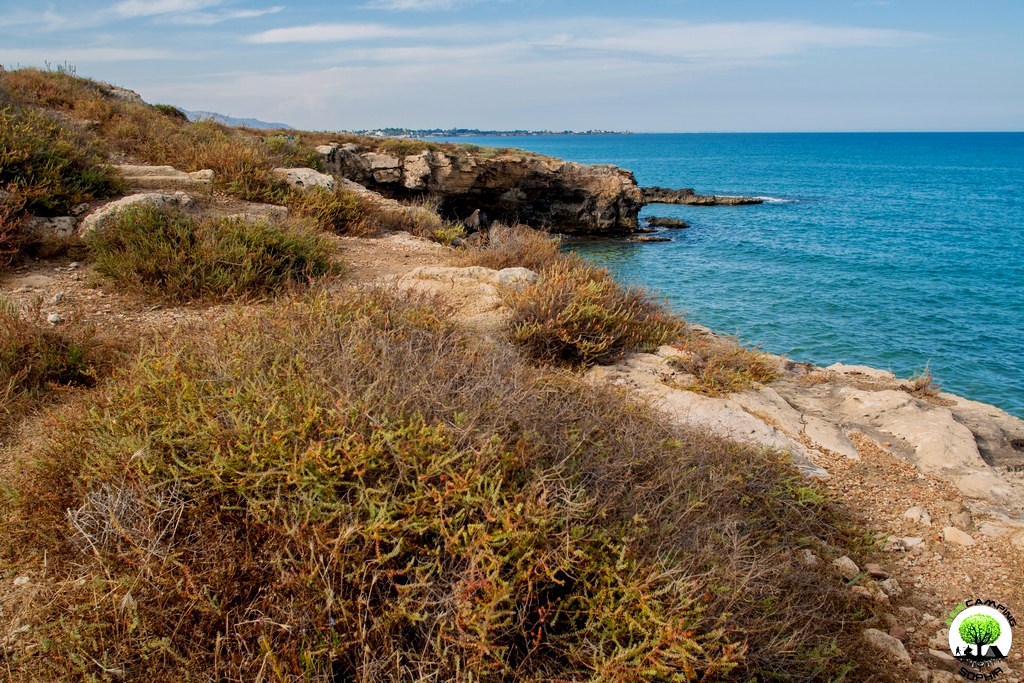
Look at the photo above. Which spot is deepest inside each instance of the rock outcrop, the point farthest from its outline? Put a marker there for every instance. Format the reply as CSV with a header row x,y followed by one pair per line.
x,y
663,195
99,219
540,191
165,178
809,411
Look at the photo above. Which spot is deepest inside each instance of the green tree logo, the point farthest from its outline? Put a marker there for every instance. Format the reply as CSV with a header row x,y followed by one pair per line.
x,y
979,630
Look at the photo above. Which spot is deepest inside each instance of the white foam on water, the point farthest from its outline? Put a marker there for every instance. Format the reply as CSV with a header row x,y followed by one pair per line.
x,y
777,200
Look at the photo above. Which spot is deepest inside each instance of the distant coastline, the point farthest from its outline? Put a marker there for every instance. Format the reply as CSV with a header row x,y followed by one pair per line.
x,y
474,132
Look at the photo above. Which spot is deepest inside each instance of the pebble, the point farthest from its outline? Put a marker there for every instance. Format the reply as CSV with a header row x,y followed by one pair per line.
x,y
74,264
962,520
22,581
54,319
58,297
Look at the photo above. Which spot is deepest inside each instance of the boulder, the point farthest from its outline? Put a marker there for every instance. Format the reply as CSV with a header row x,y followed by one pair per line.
x,y
305,179
846,567
98,220
47,228
953,535
649,238
664,222
887,645
918,515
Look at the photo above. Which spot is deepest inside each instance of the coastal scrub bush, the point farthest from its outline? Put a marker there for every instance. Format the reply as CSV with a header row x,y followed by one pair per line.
x,y
171,255
32,356
47,166
124,125
401,147
578,315
12,207
511,246
923,385
340,211
354,488
722,366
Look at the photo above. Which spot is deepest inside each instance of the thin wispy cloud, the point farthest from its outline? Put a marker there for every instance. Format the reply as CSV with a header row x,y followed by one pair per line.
x,y
416,5
330,33
149,8
211,18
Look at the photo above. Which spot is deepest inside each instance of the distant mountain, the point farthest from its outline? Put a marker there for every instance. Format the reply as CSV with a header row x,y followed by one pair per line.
x,y
231,120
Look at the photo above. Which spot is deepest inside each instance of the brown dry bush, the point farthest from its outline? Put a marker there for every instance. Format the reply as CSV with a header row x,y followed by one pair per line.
x,y
351,488
340,211
577,314
722,365
511,246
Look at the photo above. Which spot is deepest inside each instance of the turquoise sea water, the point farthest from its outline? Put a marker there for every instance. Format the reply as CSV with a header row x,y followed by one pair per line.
x,y
890,250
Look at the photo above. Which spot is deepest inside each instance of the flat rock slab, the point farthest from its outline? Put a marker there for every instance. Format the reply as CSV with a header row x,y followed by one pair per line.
x,y
165,178
98,220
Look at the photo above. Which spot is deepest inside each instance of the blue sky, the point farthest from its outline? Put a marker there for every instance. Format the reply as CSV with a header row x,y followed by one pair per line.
x,y
658,65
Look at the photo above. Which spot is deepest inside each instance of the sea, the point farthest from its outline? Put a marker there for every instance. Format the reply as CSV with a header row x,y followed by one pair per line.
x,y
900,251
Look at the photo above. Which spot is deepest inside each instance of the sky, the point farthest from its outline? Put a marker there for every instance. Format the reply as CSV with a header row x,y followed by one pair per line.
x,y
642,66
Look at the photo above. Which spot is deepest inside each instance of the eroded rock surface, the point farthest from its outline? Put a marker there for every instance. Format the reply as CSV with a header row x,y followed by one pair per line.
x,y
512,186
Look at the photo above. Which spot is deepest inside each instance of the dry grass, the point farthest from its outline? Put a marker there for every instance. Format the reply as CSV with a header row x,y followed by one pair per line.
x,y
339,211
172,256
49,167
36,358
722,366
12,213
242,162
578,315
923,385
510,246
351,488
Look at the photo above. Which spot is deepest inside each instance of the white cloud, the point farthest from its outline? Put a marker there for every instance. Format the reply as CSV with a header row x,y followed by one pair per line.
x,y
330,33
149,8
211,18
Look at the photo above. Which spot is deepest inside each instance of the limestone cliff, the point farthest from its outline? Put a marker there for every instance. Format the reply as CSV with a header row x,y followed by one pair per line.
x,y
512,186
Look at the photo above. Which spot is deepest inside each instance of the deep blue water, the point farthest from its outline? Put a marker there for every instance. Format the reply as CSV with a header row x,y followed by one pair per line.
x,y
891,250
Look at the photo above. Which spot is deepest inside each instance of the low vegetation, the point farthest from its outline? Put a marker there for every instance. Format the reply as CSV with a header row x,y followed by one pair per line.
x,y
339,210
511,246
352,488
722,366
173,256
125,126
923,385
578,315
35,357
46,167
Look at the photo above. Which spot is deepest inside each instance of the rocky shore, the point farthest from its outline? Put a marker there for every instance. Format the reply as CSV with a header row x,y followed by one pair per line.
x,y
663,195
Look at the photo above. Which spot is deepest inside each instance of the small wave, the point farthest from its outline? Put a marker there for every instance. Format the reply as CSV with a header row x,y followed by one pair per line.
x,y
777,200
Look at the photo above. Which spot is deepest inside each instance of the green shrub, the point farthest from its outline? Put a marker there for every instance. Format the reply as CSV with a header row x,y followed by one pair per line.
x,y
339,210
171,111
12,211
722,366
351,487
173,256
50,168
511,246
577,314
